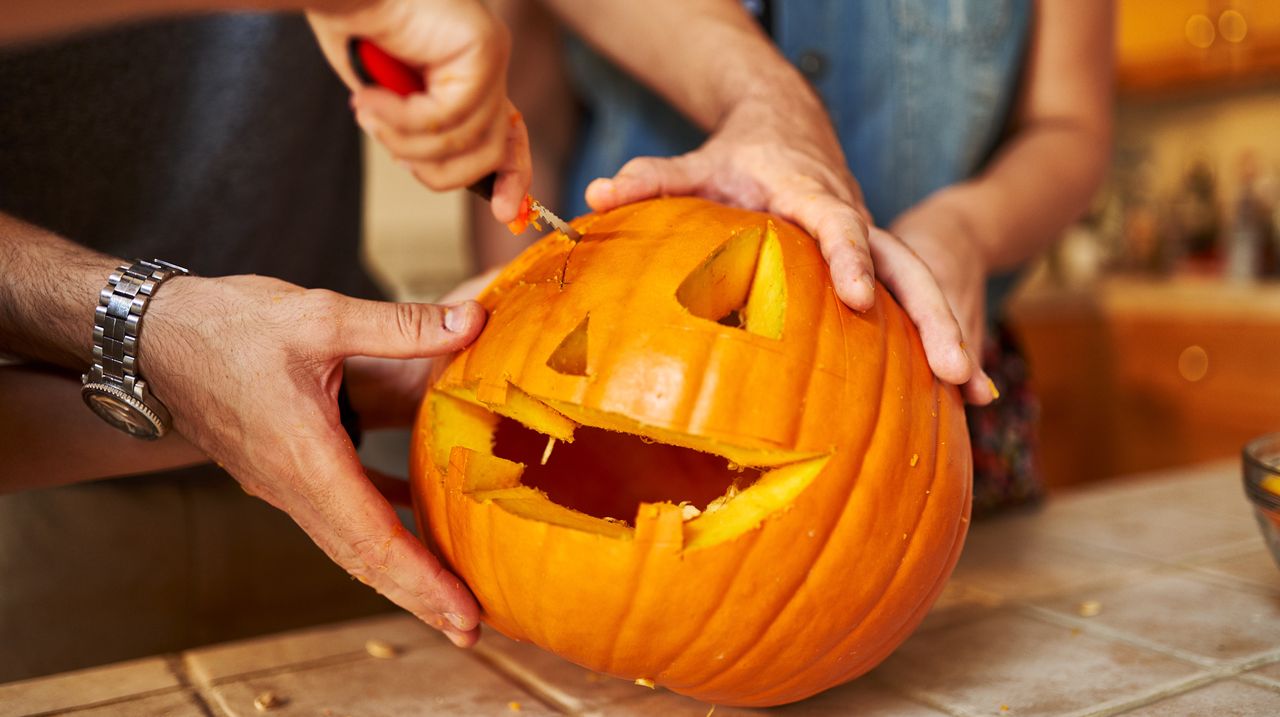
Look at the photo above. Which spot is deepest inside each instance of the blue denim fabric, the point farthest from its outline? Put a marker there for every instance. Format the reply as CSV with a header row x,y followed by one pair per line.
x,y
919,92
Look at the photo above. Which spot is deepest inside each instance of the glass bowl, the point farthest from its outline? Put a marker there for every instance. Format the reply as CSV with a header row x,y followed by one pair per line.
x,y
1262,485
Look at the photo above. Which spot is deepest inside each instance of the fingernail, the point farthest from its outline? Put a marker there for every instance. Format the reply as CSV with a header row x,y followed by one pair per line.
x,y
455,638
454,318
995,392
456,620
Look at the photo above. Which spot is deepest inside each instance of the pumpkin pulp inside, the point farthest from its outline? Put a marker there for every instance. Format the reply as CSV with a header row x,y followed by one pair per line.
x,y
556,462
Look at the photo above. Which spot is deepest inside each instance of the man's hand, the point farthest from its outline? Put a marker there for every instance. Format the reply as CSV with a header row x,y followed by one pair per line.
x,y
250,368
791,164
464,126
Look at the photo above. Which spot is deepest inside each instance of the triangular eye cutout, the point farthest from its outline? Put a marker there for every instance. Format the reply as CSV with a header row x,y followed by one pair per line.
x,y
741,284
570,357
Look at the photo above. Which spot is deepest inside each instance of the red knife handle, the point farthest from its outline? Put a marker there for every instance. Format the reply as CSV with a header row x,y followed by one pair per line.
x,y
374,66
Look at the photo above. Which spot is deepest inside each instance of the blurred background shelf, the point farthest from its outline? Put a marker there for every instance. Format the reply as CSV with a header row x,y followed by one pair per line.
x,y
1173,44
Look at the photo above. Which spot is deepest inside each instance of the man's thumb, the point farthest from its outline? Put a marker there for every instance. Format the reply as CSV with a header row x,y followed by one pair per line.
x,y
407,330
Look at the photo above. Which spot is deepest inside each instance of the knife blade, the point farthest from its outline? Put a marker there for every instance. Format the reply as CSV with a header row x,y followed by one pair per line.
x,y
374,66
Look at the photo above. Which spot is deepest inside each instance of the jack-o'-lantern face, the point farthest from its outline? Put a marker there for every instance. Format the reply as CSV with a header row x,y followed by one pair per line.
x,y
674,455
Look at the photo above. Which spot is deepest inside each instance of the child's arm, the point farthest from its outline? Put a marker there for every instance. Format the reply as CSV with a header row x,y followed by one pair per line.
x,y
1049,165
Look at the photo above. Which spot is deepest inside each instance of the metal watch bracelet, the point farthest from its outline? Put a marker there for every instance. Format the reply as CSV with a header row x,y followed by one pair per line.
x,y
113,387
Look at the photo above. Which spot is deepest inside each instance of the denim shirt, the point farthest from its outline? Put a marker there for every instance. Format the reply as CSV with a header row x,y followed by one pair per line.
x,y
919,92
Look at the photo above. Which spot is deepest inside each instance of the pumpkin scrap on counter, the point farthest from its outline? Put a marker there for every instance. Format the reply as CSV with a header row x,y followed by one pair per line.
x,y
733,448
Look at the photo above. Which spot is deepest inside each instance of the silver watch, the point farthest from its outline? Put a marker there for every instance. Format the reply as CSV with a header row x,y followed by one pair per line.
x,y
112,387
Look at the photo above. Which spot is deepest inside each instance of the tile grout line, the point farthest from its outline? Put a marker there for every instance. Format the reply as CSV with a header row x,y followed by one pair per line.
x,y
1120,705
1110,633
342,658
177,665
931,699
1261,681
526,679
124,699
921,697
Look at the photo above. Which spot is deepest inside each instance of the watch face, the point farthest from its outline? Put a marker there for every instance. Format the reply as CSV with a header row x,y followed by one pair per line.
x,y
122,413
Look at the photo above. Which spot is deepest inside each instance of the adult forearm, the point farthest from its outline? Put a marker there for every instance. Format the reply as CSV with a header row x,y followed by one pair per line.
x,y
30,19
48,294
703,56
48,437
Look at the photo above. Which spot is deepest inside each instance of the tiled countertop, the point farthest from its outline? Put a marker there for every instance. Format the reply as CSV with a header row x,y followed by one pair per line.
x,y
1153,596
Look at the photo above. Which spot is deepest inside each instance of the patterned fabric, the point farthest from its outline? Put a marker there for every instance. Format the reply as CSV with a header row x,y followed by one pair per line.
x,y
1006,472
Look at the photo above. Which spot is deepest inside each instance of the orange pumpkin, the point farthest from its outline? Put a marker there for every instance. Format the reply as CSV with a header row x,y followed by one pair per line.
x,y
674,456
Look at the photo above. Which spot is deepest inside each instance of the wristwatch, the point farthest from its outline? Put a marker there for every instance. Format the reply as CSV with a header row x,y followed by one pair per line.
x,y
112,387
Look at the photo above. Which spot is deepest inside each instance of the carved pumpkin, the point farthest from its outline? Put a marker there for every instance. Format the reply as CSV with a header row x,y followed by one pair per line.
x,y
674,456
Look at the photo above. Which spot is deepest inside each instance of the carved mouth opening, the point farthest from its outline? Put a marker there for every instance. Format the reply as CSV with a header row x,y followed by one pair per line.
x,y
608,475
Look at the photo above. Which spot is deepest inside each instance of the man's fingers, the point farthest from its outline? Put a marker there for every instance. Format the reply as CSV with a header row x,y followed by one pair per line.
x,y
515,174
644,178
448,103
915,288
418,145
347,517
403,330
842,236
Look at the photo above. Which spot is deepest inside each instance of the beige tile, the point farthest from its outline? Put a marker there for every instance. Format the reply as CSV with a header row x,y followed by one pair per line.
x,y
214,664
864,698
1016,558
86,687
1158,531
1188,613
562,682
179,703
1227,698
1217,489
431,678
1254,566
960,602
1269,673
1027,666
1211,488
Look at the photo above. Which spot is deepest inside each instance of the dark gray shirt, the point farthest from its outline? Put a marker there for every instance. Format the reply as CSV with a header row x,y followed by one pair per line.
x,y
221,143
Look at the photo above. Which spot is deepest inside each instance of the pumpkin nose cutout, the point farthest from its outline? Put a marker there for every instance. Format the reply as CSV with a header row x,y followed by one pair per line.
x,y
570,357
741,284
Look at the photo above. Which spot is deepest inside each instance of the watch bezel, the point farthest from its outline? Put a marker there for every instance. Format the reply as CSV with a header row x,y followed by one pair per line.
x,y
131,415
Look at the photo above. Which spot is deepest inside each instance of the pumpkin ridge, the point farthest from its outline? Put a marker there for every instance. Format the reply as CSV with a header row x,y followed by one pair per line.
x,y
839,644
683,646
620,625
908,625
719,604
496,568
833,526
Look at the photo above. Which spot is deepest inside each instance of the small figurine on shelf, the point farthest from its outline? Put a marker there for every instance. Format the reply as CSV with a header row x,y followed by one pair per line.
x,y
1250,241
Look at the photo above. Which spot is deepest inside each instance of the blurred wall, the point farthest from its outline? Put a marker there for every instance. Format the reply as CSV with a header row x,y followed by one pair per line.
x,y
414,239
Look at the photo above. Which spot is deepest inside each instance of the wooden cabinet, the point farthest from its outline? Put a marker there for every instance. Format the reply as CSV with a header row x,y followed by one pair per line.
x,y
1168,44
1139,375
